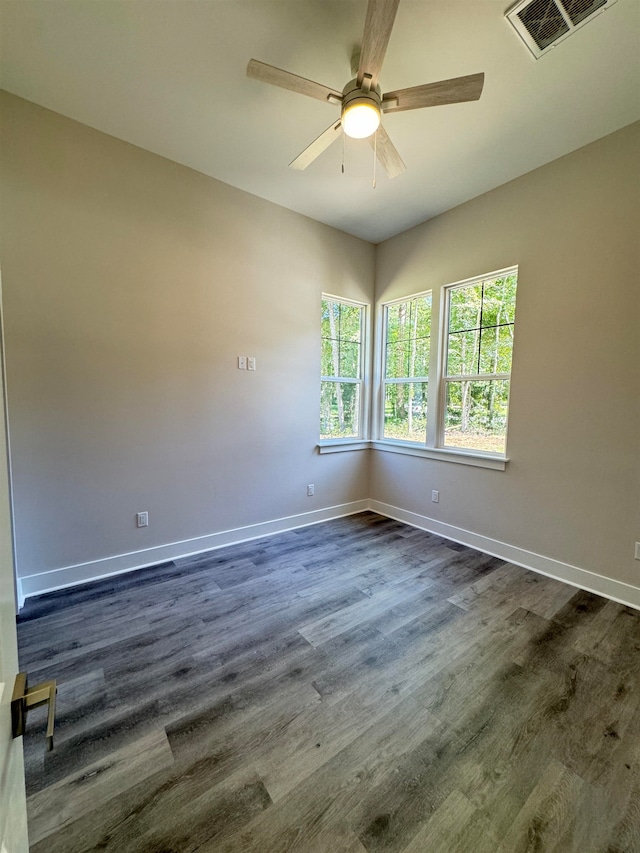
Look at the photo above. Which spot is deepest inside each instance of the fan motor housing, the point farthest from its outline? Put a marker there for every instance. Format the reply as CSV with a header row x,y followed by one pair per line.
x,y
353,92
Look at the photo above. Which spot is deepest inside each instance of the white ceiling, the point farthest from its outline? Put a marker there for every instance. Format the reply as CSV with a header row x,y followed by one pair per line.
x,y
169,76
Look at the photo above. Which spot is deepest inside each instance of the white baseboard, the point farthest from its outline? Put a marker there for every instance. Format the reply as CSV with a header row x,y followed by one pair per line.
x,y
115,565
590,581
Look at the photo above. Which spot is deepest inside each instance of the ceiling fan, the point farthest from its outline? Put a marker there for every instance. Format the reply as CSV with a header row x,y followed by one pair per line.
x,y
362,101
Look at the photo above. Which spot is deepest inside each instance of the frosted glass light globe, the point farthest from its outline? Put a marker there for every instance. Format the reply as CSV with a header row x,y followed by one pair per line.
x,y
360,120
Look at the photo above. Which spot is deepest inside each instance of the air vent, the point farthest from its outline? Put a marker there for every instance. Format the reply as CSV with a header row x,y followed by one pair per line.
x,y
542,24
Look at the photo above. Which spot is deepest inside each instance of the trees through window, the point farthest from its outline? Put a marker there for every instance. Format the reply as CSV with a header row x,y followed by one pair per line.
x,y
447,384
479,343
407,352
444,362
341,396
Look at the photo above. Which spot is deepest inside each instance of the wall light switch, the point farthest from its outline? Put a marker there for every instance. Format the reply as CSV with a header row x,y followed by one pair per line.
x,y
435,496
242,362
251,363
142,519
637,550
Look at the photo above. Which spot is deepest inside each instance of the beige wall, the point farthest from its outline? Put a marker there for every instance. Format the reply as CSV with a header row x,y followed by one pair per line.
x,y
572,488
131,284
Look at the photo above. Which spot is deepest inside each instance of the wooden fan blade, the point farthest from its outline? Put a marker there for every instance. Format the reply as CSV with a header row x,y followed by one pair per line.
x,y
387,153
277,77
317,146
454,91
377,29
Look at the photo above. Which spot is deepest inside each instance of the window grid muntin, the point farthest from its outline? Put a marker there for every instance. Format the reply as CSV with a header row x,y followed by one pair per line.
x,y
340,340
411,301
446,378
359,380
484,282
406,379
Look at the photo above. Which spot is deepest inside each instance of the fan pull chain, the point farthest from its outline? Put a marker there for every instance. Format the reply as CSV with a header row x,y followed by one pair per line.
x,y
375,157
343,135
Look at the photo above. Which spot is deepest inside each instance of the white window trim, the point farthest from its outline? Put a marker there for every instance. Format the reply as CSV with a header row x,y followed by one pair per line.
x,y
361,441
379,379
443,454
383,381
460,457
442,364
433,447
340,445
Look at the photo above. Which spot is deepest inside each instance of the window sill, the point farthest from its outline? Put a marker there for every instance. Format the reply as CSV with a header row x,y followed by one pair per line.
x,y
340,445
461,457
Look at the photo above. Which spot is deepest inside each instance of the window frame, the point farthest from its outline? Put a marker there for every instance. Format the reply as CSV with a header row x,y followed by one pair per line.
x,y
360,441
444,377
433,446
383,381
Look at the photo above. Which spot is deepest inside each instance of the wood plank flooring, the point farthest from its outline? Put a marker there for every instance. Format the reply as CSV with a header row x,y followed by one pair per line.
x,y
357,686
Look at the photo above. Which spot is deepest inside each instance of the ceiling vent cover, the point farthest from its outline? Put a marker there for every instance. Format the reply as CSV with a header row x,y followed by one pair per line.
x,y
542,24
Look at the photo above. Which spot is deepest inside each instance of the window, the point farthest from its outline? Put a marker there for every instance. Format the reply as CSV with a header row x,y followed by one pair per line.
x,y
446,386
342,370
479,342
406,368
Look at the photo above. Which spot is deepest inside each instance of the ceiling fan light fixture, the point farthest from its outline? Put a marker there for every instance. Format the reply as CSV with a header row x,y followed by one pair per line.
x,y
361,118
362,98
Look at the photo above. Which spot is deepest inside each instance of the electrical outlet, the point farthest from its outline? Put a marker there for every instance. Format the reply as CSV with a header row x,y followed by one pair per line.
x,y
637,550
142,519
242,362
311,490
251,363
435,496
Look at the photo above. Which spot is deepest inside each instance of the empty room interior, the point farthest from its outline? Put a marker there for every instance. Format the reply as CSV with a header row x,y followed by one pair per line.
x,y
323,440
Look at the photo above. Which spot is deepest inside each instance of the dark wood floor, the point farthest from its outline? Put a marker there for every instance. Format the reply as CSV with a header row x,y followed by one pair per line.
x,y
352,687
